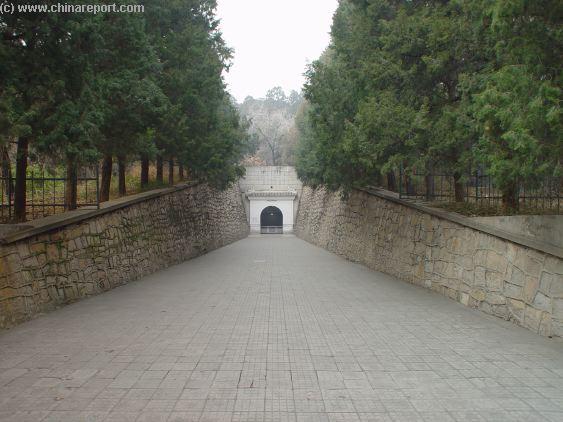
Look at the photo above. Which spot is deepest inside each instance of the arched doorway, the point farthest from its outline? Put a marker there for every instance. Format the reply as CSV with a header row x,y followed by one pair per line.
x,y
271,221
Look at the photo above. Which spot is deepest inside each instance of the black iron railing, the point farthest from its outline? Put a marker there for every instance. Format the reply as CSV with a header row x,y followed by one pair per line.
x,y
46,195
480,189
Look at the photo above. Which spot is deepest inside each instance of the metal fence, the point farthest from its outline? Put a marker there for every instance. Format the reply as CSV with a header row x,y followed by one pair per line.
x,y
480,189
46,194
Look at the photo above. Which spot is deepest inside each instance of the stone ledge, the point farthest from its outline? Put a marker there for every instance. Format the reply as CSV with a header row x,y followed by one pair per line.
x,y
33,228
467,222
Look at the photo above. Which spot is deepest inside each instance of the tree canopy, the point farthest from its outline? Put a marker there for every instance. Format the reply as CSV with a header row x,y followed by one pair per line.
x,y
85,87
453,85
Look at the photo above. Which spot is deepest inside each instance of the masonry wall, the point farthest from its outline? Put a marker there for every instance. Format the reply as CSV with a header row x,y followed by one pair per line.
x,y
481,270
266,178
112,247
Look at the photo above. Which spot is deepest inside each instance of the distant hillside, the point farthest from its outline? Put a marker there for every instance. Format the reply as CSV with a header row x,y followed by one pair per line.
x,y
272,126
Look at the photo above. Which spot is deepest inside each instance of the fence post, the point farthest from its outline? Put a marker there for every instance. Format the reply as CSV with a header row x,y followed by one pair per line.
x,y
401,180
429,181
467,185
477,182
558,186
64,192
98,186
32,193
43,190
10,181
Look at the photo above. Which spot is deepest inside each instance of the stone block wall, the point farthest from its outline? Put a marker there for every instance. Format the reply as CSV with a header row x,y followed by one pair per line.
x,y
479,269
109,248
271,178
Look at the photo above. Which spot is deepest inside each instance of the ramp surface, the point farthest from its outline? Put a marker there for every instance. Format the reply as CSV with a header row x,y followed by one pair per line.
x,y
274,329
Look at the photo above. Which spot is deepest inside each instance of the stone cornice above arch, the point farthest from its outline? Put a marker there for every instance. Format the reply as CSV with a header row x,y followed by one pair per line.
x,y
287,194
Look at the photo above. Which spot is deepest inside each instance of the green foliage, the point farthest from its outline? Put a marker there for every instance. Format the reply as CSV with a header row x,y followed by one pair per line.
x,y
200,125
131,101
519,108
217,159
522,127
448,85
84,85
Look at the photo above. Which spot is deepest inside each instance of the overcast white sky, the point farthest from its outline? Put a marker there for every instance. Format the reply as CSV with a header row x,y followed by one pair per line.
x,y
273,41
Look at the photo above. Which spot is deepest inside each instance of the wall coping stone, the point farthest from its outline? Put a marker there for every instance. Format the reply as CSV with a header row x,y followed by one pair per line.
x,y
16,232
467,222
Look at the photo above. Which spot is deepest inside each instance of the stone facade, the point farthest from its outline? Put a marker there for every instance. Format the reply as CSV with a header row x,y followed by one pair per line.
x,y
266,186
478,269
109,249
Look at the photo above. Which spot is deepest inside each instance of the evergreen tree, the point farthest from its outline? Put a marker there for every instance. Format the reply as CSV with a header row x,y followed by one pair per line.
x,y
132,103
435,86
27,66
519,109
79,87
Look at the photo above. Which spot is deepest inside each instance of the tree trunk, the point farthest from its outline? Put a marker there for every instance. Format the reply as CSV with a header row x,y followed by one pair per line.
x,y
71,188
181,171
107,167
510,200
391,182
459,189
409,186
159,169
429,182
122,164
171,171
144,171
7,172
20,190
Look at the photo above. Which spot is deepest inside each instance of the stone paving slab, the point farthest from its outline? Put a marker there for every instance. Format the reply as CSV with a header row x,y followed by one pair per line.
x,y
274,329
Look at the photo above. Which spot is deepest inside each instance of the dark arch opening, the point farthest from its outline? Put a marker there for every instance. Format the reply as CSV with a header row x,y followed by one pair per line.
x,y
271,221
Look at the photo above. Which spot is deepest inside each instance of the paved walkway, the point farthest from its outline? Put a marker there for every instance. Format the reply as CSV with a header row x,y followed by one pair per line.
x,y
274,329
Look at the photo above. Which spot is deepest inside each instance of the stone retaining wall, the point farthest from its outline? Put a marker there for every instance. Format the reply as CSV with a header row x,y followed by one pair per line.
x,y
480,268
86,253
